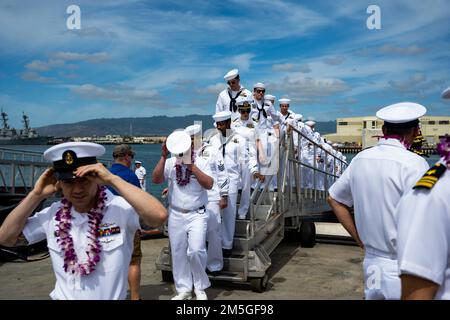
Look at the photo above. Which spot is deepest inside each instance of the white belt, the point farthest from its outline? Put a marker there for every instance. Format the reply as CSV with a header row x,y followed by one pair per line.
x,y
199,210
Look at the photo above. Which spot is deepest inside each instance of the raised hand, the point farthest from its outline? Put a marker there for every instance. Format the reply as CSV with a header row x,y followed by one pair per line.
x,y
95,172
47,184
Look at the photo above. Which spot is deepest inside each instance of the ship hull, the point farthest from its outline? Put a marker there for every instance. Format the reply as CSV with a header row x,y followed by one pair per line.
x,y
25,141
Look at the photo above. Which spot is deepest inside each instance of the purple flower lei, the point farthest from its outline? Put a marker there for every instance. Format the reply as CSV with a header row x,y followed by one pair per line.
x,y
443,148
65,241
187,175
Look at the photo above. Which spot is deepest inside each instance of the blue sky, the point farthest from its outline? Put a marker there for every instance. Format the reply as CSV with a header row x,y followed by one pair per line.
x,y
144,58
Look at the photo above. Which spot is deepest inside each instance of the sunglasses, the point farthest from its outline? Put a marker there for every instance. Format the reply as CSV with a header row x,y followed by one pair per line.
x,y
260,91
244,110
231,82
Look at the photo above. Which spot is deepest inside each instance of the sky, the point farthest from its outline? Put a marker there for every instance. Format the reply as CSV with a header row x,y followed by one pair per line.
x,y
141,58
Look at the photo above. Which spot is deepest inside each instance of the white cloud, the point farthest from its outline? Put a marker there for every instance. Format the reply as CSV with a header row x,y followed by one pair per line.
x,y
409,84
213,89
35,77
388,48
286,67
123,94
242,61
334,61
97,57
38,65
305,68
311,87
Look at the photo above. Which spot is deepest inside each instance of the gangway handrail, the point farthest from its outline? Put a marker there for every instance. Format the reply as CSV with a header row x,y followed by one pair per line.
x,y
21,154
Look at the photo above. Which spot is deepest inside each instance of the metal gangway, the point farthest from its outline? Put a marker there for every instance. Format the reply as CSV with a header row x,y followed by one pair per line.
x,y
291,207
20,169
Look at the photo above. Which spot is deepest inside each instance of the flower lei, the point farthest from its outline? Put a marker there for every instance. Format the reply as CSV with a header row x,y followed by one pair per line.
x,y
187,175
64,218
443,148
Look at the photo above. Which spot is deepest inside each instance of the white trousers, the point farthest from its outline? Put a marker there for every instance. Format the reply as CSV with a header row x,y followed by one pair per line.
x,y
214,238
229,221
246,184
187,235
381,280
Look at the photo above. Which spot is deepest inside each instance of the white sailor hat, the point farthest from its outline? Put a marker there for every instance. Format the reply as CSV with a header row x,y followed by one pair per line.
x,y
231,74
222,116
178,142
330,142
310,123
259,85
446,93
269,97
138,162
193,129
298,116
284,101
335,145
402,112
67,157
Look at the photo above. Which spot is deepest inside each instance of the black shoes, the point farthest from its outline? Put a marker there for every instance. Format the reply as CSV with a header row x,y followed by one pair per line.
x,y
213,273
227,252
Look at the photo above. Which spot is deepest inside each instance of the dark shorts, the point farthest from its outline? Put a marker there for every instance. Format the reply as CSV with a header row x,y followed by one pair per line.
x,y
137,252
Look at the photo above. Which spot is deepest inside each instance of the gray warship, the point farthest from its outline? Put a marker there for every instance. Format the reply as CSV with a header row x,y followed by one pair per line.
x,y
25,136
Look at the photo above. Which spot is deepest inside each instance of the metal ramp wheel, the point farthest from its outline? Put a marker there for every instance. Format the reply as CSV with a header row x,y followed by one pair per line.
x,y
307,234
259,284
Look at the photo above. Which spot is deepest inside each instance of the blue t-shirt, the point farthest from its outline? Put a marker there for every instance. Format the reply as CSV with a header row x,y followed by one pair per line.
x,y
126,174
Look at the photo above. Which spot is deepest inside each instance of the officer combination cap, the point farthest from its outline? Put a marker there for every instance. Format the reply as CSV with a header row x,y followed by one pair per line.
x,y
403,113
446,93
284,101
259,85
244,101
67,157
178,142
222,116
310,123
231,74
194,129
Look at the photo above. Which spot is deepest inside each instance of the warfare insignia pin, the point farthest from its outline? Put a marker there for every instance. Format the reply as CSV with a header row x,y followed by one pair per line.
x,y
430,178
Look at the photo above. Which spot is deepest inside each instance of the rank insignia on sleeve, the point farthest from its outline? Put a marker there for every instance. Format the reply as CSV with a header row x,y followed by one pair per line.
x,y
430,178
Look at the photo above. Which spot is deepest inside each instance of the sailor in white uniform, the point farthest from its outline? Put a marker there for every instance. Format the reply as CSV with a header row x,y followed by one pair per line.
x,y
141,173
373,184
244,126
309,157
217,197
236,154
90,231
423,220
189,179
226,100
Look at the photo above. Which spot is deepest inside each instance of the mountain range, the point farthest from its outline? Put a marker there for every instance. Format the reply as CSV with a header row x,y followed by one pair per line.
x,y
149,126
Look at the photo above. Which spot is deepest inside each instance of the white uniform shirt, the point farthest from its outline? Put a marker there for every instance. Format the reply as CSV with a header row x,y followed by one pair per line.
x,y
223,101
217,168
110,279
373,183
236,155
423,218
140,173
188,197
